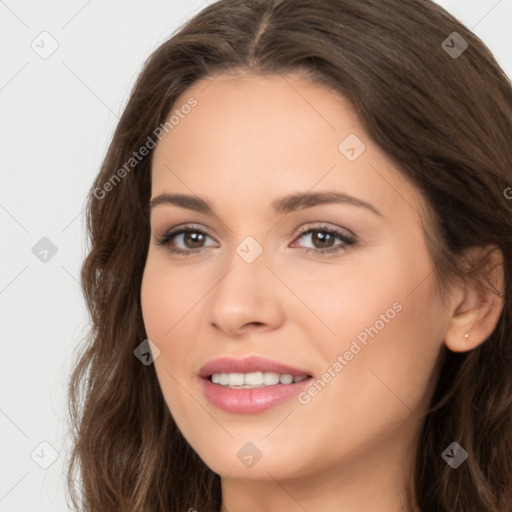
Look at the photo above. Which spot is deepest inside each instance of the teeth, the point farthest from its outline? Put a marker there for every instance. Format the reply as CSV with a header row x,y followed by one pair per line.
x,y
254,379
270,378
236,379
285,378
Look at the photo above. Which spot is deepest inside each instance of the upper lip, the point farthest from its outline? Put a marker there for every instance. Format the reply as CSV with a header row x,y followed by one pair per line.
x,y
248,365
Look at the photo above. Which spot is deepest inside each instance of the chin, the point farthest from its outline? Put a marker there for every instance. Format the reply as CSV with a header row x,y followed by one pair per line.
x,y
259,459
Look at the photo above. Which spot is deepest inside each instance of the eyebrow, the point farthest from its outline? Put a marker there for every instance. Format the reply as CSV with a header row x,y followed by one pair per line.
x,y
286,204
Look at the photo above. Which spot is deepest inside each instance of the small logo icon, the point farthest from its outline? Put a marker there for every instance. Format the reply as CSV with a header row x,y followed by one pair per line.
x,y
44,455
45,45
454,45
249,454
454,455
351,147
147,352
249,249
44,250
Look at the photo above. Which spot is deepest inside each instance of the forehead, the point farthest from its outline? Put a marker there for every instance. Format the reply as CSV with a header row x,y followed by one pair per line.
x,y
271,135
263,117
264,107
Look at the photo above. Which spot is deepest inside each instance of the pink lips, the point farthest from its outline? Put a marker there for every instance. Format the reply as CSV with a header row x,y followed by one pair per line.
x,y
247,401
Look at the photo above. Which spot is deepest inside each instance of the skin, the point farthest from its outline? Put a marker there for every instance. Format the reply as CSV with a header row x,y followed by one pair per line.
x,y
248,141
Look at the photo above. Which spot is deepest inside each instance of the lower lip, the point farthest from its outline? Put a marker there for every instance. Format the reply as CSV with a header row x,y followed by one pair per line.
x,y
247,401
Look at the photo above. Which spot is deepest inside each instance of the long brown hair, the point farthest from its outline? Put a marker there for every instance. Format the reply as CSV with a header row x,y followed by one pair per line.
x,y
445,119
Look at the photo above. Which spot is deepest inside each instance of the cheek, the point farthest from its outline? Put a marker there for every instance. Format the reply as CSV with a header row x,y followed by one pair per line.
x,y
349,301
166,296
165,302
360,403
171,309
391,373
387,333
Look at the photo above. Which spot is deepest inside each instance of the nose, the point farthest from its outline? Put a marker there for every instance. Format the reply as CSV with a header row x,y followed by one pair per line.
x,y
248,296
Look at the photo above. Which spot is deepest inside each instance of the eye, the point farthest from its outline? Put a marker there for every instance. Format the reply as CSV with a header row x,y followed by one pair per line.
x,y
193,239
323,237
191,236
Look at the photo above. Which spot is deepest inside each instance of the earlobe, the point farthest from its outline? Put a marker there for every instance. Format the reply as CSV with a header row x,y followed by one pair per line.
x,y
475,316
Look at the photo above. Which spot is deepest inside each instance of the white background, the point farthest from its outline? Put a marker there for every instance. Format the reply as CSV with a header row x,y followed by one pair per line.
x,y
57,116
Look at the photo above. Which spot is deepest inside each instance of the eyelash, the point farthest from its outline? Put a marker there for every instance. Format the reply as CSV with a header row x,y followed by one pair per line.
x,y
348,242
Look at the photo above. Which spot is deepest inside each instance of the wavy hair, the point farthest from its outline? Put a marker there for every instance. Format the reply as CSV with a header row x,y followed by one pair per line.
x,y
444,120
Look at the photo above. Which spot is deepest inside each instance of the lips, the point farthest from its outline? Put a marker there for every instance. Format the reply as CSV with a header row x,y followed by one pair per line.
x,y
257,399
248,365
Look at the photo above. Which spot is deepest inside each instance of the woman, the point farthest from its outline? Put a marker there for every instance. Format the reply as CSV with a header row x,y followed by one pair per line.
x,y
231,367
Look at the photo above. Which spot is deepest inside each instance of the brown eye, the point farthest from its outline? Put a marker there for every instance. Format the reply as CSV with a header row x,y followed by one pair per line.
x,y
191,239
324,239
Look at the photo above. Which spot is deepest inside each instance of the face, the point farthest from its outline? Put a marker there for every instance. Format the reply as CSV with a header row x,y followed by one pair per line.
x,y
340,292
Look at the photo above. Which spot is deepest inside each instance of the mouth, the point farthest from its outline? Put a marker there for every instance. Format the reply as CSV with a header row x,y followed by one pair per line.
x,y
251,385
254,380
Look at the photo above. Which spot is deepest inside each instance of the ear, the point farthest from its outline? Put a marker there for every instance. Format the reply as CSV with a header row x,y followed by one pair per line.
x,y
478,302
